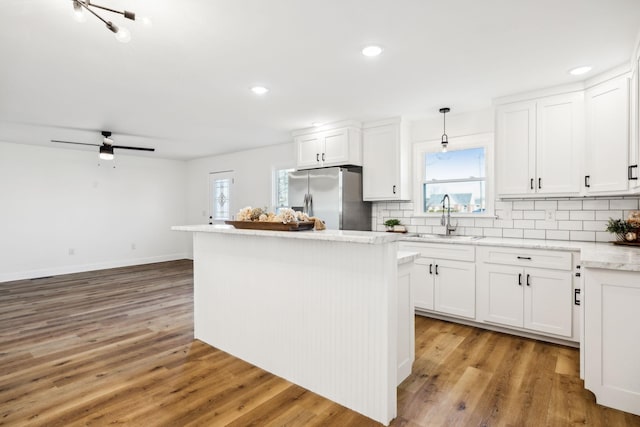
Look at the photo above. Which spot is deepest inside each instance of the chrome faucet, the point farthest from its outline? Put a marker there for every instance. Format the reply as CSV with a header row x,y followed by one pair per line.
x,y
446,222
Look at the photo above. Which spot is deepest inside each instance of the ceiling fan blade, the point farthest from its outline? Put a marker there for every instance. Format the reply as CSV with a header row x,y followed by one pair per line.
x,y
76,143
134,148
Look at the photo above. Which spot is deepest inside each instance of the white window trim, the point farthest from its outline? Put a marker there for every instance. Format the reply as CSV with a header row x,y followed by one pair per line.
x,y
274,184
485,140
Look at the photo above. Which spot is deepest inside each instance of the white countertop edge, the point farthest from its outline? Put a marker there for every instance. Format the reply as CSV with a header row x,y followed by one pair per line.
x,y
366,237
405,257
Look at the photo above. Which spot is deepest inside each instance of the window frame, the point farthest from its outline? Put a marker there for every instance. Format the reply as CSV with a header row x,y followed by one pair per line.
x,y
481,140
274,184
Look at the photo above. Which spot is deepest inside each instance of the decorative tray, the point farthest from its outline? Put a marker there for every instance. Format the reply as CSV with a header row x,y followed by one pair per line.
x,y
625,243
277,226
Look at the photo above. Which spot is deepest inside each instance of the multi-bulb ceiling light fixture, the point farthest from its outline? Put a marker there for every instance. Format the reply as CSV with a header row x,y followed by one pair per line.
x,y
122,34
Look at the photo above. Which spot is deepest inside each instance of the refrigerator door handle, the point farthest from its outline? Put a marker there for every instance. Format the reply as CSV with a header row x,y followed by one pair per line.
x,y
310,207
305,203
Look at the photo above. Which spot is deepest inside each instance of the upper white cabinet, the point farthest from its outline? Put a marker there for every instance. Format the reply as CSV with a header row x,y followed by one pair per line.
x,y
333,145
386,150
607,161
537,146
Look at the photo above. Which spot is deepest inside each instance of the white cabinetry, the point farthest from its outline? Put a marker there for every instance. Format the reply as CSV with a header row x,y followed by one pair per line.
x,y
330,146
443,278
530,289
386,173
611,347
537,142
406,322
607,162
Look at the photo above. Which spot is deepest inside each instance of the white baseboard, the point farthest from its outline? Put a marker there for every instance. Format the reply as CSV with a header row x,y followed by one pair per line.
x,y
67,269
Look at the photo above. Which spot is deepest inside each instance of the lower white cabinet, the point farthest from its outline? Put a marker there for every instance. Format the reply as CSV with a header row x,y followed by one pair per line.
x,y
531,289
531,298
446,286
611,348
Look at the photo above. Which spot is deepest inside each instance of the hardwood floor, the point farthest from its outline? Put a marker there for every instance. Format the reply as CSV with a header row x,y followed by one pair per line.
x,y
115,347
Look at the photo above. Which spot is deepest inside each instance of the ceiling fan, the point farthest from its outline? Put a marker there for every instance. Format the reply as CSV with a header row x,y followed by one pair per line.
x,y
106,149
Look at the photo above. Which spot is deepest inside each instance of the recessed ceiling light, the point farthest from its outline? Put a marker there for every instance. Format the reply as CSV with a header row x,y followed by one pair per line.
x,y
580,70
259,90
372,50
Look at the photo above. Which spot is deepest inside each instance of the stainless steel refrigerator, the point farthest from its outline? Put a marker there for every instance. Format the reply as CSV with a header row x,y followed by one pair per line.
x,y
332,194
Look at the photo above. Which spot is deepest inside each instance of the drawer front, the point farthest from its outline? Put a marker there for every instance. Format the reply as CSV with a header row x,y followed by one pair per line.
x,y
441,250
540,258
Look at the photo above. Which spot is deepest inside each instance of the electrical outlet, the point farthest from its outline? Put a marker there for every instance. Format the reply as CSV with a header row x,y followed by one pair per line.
x,y
72,251
550,215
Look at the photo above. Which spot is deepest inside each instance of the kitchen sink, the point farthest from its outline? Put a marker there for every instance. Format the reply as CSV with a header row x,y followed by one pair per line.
x,y
449,237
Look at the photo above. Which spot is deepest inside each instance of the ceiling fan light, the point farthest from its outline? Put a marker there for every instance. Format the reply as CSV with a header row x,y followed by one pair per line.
x,y
106,153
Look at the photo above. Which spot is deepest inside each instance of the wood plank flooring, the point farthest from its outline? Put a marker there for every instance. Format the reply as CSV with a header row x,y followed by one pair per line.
x,y
116,347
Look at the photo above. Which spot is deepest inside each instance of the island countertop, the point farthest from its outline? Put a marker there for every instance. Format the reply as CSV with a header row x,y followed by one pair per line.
x,y
366,237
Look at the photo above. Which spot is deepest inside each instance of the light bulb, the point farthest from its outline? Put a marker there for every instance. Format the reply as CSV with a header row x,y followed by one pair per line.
x,y
78,14
372,50
444,148
146,21
259,90
123,35
106,156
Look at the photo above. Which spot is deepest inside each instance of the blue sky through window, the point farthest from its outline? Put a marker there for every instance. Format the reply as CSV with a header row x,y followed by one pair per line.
x,y
456,164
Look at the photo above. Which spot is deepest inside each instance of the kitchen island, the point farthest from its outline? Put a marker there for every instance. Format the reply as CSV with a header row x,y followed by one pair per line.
x,y
318,308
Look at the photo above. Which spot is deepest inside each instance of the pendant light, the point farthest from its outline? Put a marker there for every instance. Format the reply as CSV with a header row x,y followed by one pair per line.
x,y
445,138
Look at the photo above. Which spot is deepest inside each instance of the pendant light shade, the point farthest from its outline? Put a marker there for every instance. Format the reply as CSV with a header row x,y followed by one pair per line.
x,y
106,152
445,138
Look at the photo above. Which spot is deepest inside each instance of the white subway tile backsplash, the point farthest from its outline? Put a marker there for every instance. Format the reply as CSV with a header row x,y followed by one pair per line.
x,y
514,233
492,232
546,205
595,204
523,205
594,225
583,236
582,215
570,225
517,214
503,223
605,215
557,234
546,225
533,214
534,234
580,220
526,223
631,204
484,222
570,205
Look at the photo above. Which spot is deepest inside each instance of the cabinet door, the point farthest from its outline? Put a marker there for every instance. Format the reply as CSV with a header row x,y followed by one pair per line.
x,y
380,163
308,149
607,137
611,345
516,137
455,288
548,301
500,294
335,147
559,142
422,283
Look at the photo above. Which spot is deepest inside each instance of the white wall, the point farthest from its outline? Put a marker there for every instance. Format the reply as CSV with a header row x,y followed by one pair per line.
x,y
462,124
53,200
253,172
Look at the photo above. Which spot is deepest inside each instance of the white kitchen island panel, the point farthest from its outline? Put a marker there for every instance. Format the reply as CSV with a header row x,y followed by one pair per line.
x,y
321,313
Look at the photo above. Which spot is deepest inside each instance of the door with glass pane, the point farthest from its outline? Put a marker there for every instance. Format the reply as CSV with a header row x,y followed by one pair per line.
x,y
220,197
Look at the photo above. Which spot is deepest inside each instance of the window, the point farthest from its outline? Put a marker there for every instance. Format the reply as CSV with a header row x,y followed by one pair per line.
x,y
462,173
281,188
